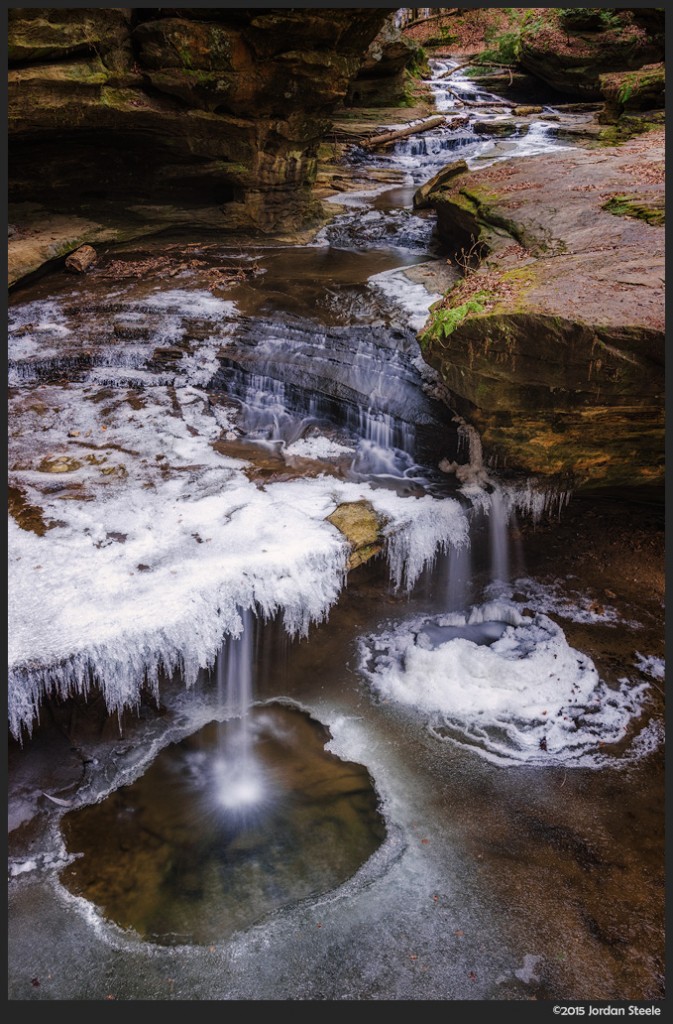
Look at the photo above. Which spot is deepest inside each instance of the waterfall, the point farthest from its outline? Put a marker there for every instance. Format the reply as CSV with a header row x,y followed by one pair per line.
x,y
499,538
460,576
238,778
385,448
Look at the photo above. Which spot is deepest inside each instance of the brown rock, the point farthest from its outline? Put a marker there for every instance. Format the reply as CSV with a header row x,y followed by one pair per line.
x,y
361,526
554,347
523,111
164,108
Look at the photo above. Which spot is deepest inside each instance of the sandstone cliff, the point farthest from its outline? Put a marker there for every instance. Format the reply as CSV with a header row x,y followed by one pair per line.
x,y
553,346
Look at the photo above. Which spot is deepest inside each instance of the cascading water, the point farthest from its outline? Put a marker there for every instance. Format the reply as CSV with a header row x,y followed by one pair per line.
x,y
311,798
458,591
498,522
238,777
423,155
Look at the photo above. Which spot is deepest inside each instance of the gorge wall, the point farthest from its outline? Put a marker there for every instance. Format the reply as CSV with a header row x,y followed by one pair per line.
x,y
217,107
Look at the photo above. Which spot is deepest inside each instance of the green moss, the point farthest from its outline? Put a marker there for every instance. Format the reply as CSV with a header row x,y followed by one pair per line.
x,y
480,197
483,205
631,206
636,83
628,126
443,322
418,66
186,56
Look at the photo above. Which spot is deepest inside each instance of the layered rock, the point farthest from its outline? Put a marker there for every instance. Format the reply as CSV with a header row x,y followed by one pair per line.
x,y
222,109
570,48
554,347
389,64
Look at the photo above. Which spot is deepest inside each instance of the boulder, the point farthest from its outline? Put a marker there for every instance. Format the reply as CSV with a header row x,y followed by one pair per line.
x,y
554,347
361,527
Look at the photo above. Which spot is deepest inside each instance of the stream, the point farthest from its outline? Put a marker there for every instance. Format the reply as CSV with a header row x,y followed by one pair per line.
x,y
295,777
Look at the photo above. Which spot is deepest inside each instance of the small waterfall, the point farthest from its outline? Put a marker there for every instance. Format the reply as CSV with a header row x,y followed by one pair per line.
x,y
499,537
279,413
386,446
460,579
267,412
237,775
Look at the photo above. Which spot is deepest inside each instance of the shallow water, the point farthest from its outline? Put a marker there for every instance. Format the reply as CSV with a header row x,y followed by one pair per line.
x,y
431,835
211,839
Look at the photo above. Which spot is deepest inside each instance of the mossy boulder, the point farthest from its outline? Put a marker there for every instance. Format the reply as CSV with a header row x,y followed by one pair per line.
x,y
644,89
553,345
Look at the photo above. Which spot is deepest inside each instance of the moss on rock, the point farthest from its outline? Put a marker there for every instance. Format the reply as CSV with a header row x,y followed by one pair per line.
x,y
554,351
652,212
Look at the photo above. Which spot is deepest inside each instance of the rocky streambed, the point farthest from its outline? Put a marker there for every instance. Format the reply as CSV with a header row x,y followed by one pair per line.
x,y
240,497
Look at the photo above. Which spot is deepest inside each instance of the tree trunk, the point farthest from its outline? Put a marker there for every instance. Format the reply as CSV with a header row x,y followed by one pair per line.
x,y
385,137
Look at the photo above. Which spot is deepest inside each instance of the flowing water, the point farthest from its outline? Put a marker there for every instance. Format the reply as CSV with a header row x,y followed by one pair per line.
x,y
315,781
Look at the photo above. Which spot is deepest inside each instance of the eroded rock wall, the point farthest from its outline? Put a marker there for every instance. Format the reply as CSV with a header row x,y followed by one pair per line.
x,y
218,107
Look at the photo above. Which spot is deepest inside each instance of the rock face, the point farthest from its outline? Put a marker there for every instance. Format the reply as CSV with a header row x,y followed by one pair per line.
x,y
554,347
215,107
570,48
382,80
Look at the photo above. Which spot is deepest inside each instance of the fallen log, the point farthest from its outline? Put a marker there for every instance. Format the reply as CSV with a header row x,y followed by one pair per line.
x,y
477,103
492,64
81,259
445,13
452,71
401,133
489,76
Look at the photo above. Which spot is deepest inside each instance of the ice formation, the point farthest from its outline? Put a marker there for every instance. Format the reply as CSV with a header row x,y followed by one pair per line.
x,y
154,540
525,697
